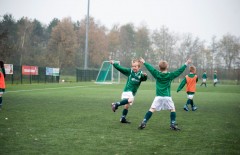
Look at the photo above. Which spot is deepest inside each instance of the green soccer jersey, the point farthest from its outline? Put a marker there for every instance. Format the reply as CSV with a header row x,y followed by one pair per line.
x,y
134,79
215,76
204,76
163,80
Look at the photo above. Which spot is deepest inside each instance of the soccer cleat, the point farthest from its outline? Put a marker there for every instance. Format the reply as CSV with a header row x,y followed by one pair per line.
x,y
142,125
174,127
114,107
123,120
185,108
194,108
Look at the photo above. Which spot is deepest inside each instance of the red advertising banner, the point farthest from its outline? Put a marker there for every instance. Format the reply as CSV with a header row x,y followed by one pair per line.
x,y
29,70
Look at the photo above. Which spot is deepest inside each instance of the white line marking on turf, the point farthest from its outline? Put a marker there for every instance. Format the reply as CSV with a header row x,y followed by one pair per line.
x,y
29,90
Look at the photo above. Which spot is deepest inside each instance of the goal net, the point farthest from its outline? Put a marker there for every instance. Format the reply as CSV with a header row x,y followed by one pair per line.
x,y
108,74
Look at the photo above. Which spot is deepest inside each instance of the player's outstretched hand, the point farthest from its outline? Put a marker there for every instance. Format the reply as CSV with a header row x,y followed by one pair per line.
x,y
142,60
145,74
188,61
111,61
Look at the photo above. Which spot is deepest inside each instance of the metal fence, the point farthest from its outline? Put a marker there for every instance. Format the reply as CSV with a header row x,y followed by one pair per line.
x,y
78,75
18,78
86,75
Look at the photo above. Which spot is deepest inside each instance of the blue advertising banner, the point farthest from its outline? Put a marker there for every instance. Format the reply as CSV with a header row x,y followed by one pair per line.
x,y
49,71
52,71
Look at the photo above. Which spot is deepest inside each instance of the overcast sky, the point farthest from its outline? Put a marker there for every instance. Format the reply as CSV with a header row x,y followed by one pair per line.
x,y
202,18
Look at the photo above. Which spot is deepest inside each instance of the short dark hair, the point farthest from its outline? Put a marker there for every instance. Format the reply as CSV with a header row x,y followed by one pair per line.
x,y
1,64
192,69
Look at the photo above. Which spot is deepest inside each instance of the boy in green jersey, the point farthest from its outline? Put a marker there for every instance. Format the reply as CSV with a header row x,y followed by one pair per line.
x,y
204,79
190,81
215,80
163,99
135,77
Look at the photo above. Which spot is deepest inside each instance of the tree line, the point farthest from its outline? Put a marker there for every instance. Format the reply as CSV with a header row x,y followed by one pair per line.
x,y
61,44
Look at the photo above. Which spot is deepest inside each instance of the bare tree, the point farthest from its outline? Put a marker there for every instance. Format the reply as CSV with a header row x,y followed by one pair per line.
x,y
8,38
114,43
163,44
229,49
143,42
127,43
184,49
63,44
97,42
212,55
24,31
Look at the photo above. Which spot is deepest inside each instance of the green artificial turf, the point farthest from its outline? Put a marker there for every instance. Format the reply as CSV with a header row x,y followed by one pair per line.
x,y
76,118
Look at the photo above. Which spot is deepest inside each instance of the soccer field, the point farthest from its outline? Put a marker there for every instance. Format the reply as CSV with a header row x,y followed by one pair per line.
x,y
76,118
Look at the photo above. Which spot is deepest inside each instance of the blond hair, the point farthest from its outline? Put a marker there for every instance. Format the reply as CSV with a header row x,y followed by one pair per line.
x,y
137,61
163,65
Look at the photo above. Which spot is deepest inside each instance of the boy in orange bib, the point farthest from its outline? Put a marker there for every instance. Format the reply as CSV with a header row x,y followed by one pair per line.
x,y
2,82
191,81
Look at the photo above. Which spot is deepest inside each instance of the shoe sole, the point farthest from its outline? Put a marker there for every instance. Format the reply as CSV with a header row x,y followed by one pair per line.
x,y
175,129
125,122
113,107
142,127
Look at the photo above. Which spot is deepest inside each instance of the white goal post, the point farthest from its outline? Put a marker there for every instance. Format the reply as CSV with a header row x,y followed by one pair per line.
x,y
108,74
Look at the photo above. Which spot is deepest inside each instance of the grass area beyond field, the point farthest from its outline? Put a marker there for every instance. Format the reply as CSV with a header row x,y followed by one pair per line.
x,y
76,118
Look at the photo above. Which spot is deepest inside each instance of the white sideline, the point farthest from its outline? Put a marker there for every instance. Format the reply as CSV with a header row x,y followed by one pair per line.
x,y
17,91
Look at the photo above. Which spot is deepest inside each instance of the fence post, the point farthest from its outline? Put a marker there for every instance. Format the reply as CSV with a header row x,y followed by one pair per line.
x,y
12,78
21,74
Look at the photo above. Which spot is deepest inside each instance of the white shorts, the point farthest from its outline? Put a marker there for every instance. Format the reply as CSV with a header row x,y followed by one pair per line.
x,y
215,80
162,103
190,96
129,96
204,80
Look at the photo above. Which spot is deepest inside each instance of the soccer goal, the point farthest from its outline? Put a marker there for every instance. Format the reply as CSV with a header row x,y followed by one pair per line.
x,y
108,74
